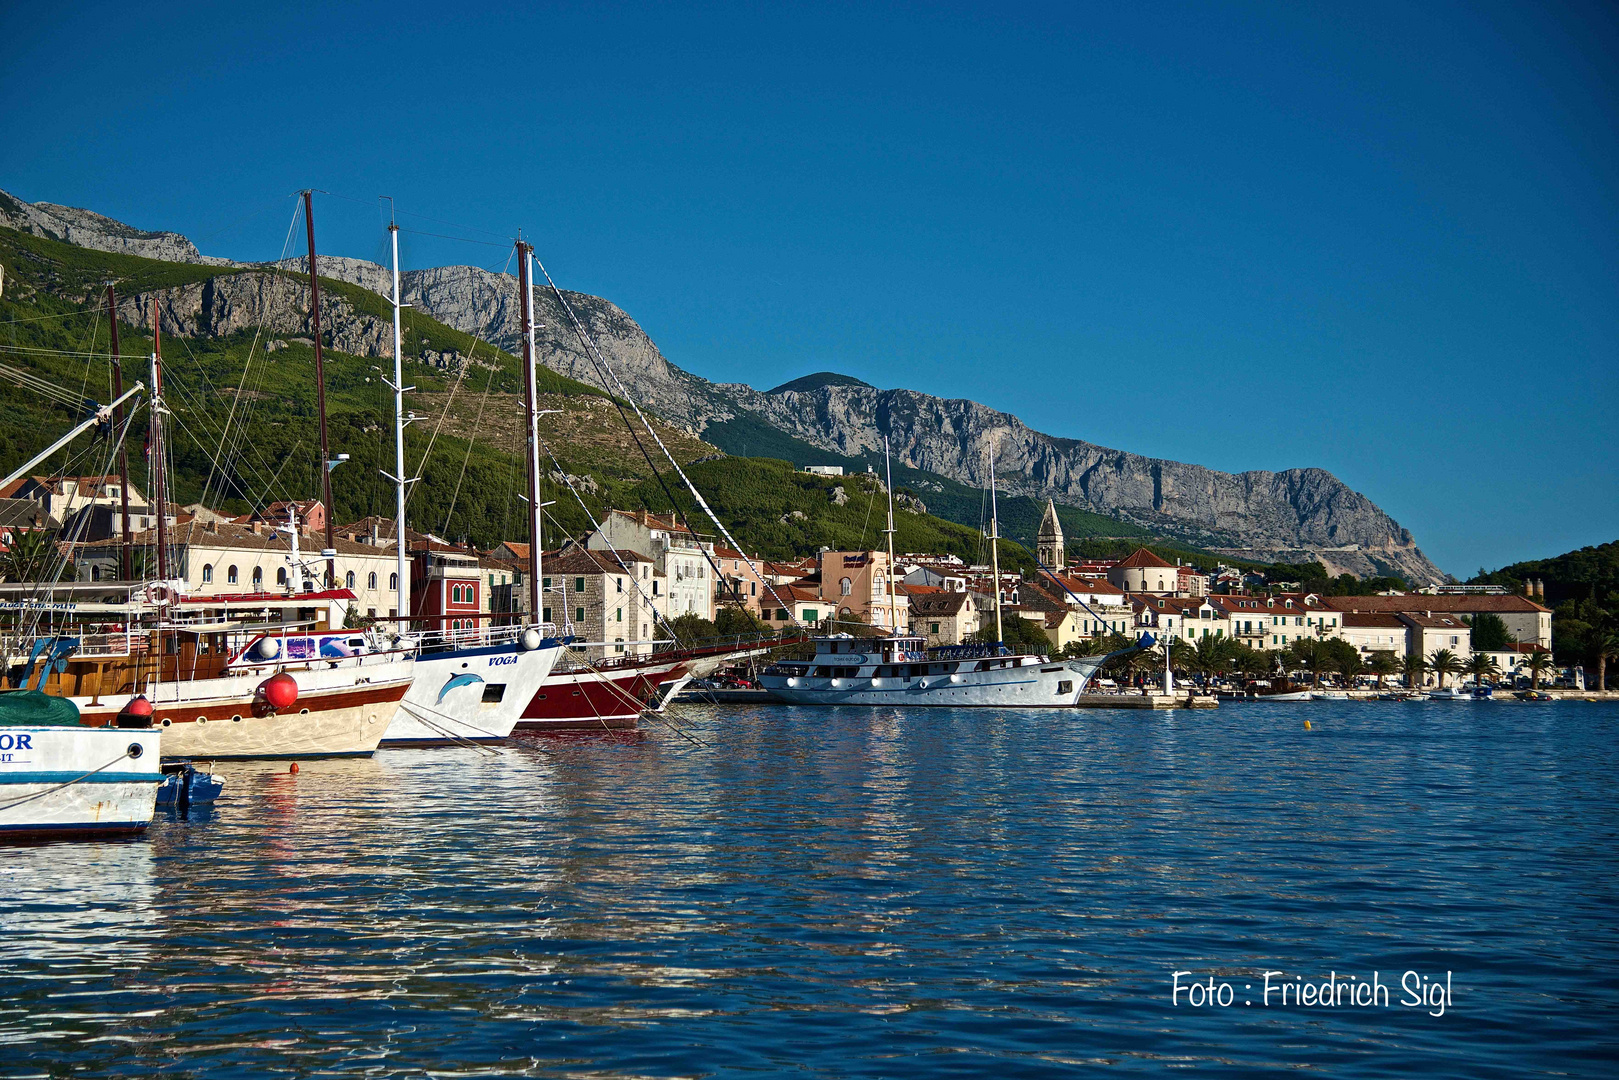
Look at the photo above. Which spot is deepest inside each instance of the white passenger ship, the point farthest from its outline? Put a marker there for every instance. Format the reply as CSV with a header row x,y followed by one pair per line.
x,y
901,671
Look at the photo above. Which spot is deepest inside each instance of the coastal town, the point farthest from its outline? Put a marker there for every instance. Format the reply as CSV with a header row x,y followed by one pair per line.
x,y
622,585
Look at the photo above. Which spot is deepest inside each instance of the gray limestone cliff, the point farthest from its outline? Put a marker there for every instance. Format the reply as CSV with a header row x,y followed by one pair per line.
x,y
1289,515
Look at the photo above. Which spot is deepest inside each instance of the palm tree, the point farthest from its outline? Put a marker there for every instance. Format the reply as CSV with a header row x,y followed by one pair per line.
x,y
1606,647
1350,667
1444,662
1413,668
1482,666
1383,665
1305,654
29,557
1539,661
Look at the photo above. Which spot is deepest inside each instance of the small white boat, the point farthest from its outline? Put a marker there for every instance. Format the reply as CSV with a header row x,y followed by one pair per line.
x,y
1448,694
60,780
1329,695
1285,696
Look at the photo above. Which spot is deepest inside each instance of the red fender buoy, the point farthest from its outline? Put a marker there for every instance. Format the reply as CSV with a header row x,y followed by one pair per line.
x,y
293,767
279,691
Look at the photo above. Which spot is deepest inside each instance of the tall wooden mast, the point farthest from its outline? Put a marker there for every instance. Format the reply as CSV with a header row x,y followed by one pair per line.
x,y
530,422
126,556
320,388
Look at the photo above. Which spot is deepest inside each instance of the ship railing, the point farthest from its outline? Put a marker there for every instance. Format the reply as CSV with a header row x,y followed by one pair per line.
x,y
478,636
108,644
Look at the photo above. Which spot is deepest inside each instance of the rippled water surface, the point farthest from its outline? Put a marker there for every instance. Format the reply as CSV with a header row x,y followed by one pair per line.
x,y
853,892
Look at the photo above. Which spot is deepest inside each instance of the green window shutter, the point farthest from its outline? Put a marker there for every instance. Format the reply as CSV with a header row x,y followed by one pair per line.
x,y
578,584
579,614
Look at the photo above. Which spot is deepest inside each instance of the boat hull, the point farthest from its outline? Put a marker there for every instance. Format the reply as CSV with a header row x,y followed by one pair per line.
x,y
341,711
470,695
1045,686
116,799
606,699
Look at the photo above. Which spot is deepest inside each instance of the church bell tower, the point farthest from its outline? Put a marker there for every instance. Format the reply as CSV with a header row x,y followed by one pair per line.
x,y
1048,547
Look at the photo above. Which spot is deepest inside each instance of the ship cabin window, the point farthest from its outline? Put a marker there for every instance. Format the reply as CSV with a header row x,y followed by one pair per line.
x,y
207,574
822,672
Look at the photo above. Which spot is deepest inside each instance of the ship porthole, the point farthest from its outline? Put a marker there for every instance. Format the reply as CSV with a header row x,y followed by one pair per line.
x,y
237,719
135,750
202,719
303,712
166,721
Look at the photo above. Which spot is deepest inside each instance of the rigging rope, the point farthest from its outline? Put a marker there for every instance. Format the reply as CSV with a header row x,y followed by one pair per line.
x,y
607,373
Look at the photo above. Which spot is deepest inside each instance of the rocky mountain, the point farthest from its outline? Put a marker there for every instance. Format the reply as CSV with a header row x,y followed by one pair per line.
x,y
1291,515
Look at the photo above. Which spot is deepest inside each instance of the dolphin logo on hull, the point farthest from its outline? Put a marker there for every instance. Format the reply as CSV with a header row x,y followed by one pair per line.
x,y
455,681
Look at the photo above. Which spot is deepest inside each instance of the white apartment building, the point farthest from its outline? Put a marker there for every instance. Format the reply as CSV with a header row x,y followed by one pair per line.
x,y
678,554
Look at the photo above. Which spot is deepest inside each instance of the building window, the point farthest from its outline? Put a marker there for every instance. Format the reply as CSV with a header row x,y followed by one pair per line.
x,y
371,580
933,628
619,647
230,575
207,573
811,615
578,584
393,581
781,614
348,580
620,617
845,587
258,577
281,575
579,614
545,614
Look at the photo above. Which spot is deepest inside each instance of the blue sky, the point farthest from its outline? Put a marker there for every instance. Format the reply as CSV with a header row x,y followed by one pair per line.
x,y
1366,237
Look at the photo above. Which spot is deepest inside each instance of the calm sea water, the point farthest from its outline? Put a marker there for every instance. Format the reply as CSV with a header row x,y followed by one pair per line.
x,y
854,893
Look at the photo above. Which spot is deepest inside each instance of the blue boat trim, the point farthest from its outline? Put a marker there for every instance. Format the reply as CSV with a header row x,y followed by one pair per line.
x,y
271,757
84,827
93,778
490,650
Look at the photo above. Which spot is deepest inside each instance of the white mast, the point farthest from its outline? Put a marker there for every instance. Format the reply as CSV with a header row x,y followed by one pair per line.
x,y
534,451
893,603
402,593
994,544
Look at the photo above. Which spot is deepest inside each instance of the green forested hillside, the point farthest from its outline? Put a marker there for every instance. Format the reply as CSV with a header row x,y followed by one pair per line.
x,y
53,325
1582,589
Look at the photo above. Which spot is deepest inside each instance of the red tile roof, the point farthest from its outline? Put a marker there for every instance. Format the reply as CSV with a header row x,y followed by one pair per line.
x,y
1455,605
1142,557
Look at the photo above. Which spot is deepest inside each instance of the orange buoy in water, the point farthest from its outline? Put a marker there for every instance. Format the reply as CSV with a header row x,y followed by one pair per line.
x,y
279,691
293,767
